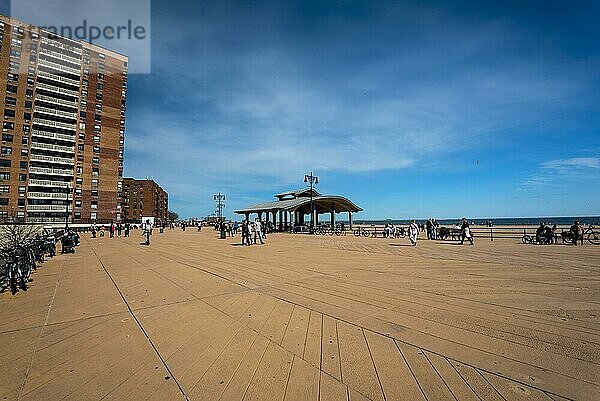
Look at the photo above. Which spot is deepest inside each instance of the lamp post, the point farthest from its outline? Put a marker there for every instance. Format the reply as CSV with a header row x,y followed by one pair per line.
x,y
313,180
220,199
69,190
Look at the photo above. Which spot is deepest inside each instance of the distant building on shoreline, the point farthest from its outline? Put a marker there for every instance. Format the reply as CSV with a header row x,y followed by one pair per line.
x,y
63,127
144,198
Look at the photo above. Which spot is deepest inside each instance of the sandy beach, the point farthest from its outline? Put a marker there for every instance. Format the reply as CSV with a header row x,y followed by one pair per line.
x,y
305,318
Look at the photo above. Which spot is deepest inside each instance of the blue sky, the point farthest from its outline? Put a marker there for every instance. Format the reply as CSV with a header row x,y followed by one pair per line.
x,y
411,109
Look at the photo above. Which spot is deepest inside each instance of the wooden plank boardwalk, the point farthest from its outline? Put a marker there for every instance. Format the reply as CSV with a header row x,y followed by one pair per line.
x,y
305,318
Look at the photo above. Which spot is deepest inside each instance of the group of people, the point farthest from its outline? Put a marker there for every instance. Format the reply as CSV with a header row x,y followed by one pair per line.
x,y
112,229
122,229
253,232
431,227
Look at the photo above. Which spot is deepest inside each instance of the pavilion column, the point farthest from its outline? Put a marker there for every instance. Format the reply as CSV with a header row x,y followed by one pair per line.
x,y
267,216
280,219
332,215
285,219
247,215
350,220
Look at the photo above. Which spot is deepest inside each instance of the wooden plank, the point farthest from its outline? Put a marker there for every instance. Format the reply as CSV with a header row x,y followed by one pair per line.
x,y
356,396
330,353
513,391
236,388
303,384
431,383
276,326
397,380
484,390
270,380
295,336
332,389
453,380
212,384
358,371
312,349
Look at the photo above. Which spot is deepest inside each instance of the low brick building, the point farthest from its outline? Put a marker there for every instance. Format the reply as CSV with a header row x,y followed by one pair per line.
x,y
144,198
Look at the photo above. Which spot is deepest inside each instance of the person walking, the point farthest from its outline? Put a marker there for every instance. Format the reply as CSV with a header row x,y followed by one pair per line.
x,y
147,232
245,233
257,232
102,230
119,229
127,227
94,229
466,232
111,229
413,232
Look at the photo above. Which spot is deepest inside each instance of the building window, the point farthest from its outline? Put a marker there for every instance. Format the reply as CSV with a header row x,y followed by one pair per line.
x,y
24,152
93,215
23,165
4,176
8,113
95,159
5,162
6,150
77,203
7,138
3,201
21,202
94,192
24,140
7,125
94,204
11,89
27,117
10,101
79,180
78,191
22,177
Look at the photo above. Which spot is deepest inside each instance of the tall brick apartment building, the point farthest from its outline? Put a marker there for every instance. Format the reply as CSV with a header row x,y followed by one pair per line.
x,y
63,109
144,198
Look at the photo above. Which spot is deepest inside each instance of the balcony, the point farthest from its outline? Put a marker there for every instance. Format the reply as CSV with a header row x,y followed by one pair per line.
x,y
47,195
57,89
47,208
46,134
61,56
51,123
60,45
52,159
56,148
54,100
48,183
59,78
51,171
41,109
59,67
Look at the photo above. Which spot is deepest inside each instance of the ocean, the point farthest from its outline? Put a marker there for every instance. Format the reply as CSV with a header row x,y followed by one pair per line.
x,y
504,221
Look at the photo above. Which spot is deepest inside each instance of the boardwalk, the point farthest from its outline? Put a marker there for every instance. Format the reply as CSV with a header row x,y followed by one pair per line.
x,y
305,318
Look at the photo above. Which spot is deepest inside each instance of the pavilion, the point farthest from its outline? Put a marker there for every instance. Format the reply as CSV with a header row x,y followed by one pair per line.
x,y
292,207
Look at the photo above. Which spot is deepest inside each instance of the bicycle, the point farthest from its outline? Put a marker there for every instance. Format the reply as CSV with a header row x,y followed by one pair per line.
x,y
593,236
361,232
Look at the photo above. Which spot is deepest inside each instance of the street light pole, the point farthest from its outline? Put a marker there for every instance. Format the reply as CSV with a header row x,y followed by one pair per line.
x,y
312,179
220,199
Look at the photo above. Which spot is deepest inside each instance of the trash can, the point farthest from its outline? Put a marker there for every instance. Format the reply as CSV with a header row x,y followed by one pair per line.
x,y
222,236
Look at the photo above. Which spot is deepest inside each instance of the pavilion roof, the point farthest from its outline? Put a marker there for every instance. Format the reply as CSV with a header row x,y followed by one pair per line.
x,y
322,201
